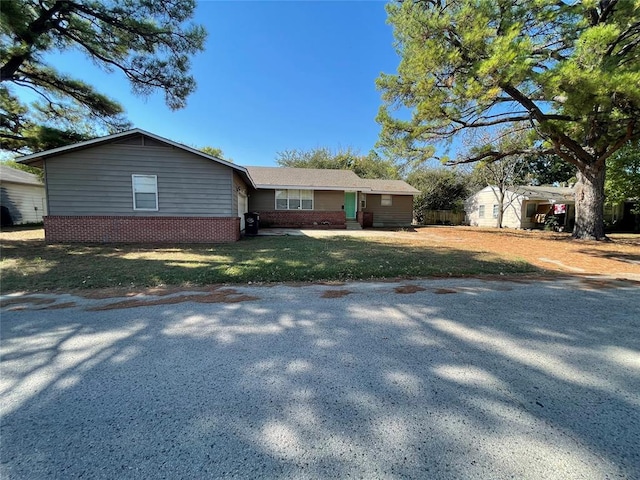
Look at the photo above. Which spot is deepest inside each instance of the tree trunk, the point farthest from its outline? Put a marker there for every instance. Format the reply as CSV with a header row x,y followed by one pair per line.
x,y
590,204
500,207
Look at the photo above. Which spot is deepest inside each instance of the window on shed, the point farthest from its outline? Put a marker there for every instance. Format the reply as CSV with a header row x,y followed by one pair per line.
x,y
496,210
145,192
386,200
531,209
481,211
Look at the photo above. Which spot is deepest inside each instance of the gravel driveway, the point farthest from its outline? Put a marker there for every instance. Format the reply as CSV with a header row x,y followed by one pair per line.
x,y
451,379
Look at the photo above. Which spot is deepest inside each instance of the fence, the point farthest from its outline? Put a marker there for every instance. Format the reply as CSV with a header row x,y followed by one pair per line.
x,y
441,217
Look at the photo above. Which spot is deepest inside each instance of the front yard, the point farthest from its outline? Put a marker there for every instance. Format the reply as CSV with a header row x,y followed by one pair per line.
x,y
28,264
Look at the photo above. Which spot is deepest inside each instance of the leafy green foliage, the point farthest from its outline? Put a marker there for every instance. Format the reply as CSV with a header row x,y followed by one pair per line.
x,y
25,168
365,166
215,152
623,175
548,170
563,74
440,189
147,40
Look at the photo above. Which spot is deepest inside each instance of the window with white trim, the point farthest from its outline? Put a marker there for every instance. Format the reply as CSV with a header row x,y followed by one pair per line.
x,y
481,211
363,201
145,192
386,200
496,210
294,199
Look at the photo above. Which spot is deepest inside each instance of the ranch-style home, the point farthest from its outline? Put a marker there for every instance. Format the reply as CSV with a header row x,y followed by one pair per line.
x,y
303,197
137,187
524,207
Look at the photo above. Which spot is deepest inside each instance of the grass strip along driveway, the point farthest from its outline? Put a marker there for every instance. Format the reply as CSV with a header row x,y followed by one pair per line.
x,y
28,264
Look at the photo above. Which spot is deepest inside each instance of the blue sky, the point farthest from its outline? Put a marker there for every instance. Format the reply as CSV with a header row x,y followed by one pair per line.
x,y
274,76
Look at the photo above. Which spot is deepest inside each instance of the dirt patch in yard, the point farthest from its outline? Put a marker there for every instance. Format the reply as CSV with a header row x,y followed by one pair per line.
x,y
335,293
218,296
606,284
26,300
444,291
406,289
60,306
553,252
119,292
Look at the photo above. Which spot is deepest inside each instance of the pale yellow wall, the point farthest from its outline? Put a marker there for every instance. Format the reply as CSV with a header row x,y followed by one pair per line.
x,y
513,211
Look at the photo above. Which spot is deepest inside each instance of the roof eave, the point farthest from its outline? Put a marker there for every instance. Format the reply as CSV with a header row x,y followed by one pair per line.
x,y
38,157
267,186
392,192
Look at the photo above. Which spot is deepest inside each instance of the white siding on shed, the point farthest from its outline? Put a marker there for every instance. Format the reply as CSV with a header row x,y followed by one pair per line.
x,y
26,203
489,196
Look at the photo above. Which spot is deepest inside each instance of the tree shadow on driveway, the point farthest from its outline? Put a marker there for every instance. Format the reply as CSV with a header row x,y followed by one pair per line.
x,y
493,380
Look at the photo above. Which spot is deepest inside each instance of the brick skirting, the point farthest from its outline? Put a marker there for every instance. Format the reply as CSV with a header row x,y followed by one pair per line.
x,y
302,219
119,229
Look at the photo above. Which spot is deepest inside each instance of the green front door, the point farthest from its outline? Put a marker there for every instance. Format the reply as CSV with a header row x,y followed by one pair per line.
x,y
350,204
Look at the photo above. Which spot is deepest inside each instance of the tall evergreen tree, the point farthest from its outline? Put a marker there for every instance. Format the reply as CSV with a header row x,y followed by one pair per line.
x,y
567,73
150,41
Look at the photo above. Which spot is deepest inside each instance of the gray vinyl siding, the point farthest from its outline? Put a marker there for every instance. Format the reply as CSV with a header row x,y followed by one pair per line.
x,y
323,200
26,203
399,214
97,181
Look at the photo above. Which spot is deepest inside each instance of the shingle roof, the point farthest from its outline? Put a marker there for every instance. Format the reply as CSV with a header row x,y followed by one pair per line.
x,y
390,186
324,179
12,175
546,193
271,177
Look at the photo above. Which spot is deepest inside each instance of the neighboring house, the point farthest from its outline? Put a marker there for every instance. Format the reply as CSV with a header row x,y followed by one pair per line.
x,y
619,217
135,186
524,207
309,197
22,197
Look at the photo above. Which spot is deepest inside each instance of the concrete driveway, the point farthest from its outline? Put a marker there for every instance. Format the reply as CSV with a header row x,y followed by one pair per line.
x,y
454,379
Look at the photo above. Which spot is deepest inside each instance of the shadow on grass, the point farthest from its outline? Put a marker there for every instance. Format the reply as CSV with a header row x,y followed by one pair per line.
x,y
35,266
624,257
22,228
404,386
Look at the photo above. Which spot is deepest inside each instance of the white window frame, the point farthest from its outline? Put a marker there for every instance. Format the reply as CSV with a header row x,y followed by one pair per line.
x,y
133,189
299,198
386,200
481,211
496,210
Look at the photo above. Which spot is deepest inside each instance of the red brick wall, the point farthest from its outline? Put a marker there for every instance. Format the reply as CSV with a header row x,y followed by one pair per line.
x,y
116,229
302,219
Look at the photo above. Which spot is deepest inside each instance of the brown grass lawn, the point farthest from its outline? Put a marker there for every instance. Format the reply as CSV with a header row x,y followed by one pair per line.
x,y
28,264
554,252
